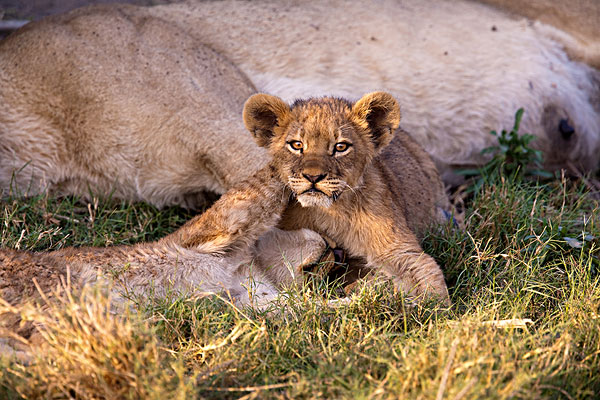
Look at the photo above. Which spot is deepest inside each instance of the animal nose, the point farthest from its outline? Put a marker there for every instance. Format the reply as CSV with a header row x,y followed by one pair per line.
x,y
314,178
566,130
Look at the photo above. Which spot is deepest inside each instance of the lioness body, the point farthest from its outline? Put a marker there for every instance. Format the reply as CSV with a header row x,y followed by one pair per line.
x,y
579,19
143,103
115,102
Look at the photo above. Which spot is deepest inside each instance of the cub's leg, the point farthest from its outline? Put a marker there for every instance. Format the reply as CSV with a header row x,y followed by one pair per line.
x,y
239,217
387,245
412,270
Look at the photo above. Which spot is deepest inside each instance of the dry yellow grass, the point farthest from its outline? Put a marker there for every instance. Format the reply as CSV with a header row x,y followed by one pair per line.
x,y
87,347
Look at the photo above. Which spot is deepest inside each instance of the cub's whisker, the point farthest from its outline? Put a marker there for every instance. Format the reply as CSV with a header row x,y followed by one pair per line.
x,y
349,187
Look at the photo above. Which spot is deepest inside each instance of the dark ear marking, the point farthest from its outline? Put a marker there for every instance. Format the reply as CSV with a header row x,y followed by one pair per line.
x,y
375,117
264,135
262,114
379,113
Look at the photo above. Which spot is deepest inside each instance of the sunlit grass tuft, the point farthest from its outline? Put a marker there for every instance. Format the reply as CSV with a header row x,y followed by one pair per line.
x,y
86,346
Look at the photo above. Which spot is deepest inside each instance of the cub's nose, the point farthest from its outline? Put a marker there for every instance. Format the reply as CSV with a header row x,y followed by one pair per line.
x,y
314,178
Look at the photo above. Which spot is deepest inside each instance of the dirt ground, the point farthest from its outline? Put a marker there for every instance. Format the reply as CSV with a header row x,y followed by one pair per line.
x,y
36,9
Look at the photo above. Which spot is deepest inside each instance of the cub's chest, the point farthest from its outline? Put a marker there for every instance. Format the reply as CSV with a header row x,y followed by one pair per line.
x,y
326,221
350,224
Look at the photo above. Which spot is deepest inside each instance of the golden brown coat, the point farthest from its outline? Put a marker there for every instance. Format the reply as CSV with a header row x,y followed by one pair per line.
x,y
352,180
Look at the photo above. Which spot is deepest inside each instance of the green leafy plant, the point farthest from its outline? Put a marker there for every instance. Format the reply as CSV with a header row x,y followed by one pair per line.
x,y
512,157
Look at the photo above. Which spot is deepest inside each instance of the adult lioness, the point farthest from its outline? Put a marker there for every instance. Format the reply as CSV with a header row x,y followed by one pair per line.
x,y
144,103
460,69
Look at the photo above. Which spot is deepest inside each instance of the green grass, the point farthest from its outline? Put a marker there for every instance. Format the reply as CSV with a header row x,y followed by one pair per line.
x,y
44,223
529,251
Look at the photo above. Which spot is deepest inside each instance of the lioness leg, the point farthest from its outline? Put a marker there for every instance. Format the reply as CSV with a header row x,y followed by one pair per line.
x,y
278,262
283,254
209,251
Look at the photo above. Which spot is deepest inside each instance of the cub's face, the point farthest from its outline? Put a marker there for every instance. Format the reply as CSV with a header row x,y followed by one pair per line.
x,y
322,146
321,152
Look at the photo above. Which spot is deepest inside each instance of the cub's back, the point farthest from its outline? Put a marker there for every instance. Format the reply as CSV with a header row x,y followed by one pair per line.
x,y
414,181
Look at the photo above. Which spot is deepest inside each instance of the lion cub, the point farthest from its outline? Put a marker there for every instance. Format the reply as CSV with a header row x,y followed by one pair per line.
x,y
348,184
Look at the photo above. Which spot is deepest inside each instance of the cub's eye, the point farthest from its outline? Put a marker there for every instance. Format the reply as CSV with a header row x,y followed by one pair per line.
x,y
295,145
341,147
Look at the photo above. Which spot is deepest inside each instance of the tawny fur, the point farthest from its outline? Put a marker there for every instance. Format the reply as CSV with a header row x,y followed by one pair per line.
x,y
357,179
113,101
151,112
373,196
382,199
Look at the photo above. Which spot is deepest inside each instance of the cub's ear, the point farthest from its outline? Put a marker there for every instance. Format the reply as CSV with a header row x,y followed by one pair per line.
x,y
262,113
379,113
